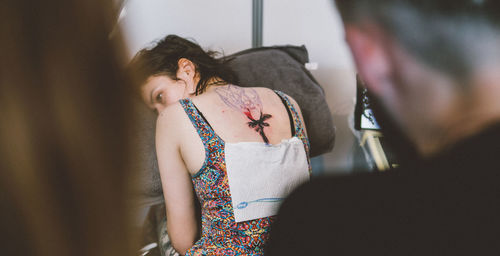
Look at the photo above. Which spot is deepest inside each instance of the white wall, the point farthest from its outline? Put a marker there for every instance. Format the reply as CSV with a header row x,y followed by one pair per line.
x,y
317,25
217,25
314,23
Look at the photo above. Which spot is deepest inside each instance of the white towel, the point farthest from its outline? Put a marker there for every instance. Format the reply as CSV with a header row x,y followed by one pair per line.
x,y
260,176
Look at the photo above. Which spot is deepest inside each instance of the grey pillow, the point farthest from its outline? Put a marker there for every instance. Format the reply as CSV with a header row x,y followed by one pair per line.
x,y
281,68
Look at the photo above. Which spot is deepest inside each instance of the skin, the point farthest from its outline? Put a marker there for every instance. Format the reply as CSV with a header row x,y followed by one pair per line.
x,y
180,150
432,107
160,91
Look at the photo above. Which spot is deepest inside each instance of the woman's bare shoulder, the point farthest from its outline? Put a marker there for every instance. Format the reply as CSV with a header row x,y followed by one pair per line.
x,y
268,91
172,111
172,119
261,89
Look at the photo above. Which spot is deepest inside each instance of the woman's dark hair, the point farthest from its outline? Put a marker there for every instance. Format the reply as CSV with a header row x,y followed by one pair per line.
x,y
162,59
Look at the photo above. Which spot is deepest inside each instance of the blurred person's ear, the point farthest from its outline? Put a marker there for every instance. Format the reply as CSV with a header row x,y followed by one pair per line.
x,y
369,53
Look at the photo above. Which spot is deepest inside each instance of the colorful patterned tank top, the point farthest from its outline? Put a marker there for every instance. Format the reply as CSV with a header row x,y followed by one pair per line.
x,y
221,235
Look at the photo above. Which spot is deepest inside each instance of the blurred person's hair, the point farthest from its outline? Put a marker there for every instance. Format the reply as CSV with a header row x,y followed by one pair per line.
x,y
453,36
163,57
65,121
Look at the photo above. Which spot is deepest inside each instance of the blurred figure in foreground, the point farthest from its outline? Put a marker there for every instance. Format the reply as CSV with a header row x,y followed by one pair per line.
x,y
65,119
433,66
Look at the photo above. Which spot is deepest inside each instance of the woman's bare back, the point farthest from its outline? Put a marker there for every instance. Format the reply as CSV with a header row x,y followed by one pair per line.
x,y
237,115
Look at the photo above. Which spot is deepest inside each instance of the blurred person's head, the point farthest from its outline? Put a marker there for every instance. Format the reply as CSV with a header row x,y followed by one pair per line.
x,y
432,64
175,68
65,118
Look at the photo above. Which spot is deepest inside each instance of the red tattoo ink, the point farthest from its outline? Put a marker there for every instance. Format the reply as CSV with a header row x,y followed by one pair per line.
x,y
248,114
245,101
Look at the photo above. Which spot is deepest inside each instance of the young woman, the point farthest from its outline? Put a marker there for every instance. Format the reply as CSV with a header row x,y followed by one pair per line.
x,y
241,149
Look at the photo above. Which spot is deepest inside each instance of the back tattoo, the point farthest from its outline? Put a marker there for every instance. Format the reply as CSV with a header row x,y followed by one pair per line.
x,y
248,102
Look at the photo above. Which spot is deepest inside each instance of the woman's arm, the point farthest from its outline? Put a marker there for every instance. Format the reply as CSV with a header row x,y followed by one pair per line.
x,y
176,181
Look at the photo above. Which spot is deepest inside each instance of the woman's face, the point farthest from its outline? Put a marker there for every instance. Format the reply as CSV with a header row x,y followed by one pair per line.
x,y
160,91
